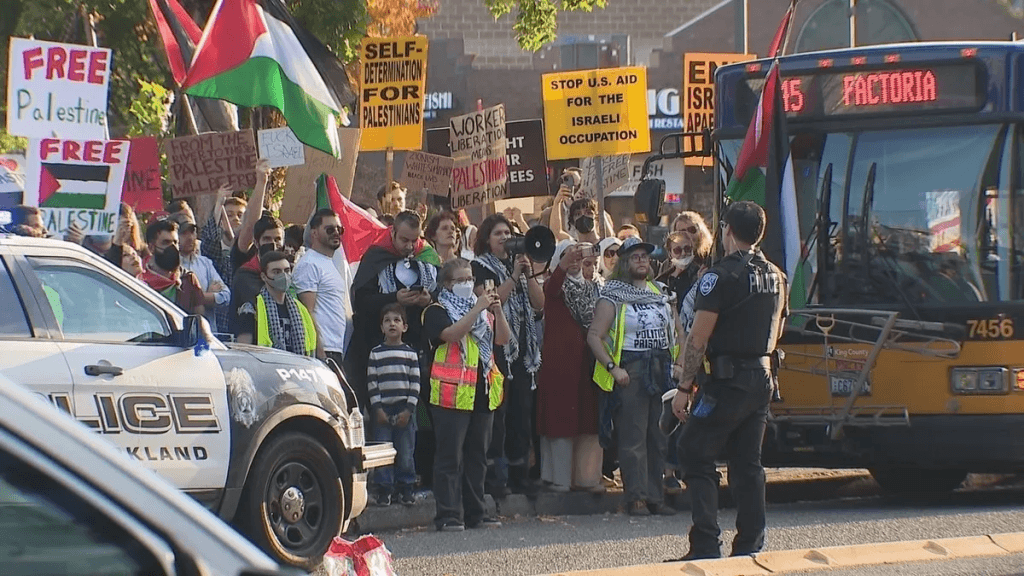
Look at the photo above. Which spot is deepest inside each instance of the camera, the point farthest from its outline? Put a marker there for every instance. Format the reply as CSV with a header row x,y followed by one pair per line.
x,y
588,250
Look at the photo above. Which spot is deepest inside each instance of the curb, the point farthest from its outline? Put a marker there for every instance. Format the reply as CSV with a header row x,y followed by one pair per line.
x,y
421,514
829,558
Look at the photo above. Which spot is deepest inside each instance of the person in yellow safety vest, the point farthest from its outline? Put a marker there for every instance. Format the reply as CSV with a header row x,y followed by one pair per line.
x,y
633,338
274,318
465,389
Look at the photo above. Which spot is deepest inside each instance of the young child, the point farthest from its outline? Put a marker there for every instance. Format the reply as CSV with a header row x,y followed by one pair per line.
x,y
393,383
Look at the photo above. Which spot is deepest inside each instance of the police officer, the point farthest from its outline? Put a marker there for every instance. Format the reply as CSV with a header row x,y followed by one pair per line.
x,y
740,307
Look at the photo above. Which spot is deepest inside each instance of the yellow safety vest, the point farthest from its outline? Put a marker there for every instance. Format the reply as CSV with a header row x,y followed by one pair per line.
x,y
613,345
453,383
263,332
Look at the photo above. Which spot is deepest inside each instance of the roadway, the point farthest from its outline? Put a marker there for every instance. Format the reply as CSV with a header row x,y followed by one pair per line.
x,y
546,545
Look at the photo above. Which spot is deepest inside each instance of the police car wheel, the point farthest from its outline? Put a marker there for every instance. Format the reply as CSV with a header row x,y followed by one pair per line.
x,y
294,500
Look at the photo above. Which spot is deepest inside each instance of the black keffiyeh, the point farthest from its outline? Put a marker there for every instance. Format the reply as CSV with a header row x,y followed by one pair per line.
x,y
518,312
294,340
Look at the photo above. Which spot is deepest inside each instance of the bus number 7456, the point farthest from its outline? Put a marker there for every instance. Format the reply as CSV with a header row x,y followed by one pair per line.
x,y
990,329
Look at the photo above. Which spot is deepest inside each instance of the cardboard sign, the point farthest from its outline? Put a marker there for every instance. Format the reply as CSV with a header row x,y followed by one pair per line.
x,y
698,107
200,164
279,147
671,170
142,187
615,171
439,141
76,181
527,164
427,171
300,181
525,205
12,179
57,89
478,143
596,112
392,77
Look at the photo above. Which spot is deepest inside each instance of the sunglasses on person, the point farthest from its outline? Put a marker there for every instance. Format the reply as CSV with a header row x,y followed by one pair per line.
x,y
689,229
332,229
611,253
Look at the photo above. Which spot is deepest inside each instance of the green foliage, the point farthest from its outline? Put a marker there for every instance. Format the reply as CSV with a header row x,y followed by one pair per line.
x,y
536,23
340,24
9,144
148,113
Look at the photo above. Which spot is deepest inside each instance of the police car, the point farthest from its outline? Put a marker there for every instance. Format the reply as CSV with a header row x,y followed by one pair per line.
x,y
271,441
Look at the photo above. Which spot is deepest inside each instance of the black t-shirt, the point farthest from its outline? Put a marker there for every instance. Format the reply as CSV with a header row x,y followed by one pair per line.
x,y
749,294
247,319
435,321
239,258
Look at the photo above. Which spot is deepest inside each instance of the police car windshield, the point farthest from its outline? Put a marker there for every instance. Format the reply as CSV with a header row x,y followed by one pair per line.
x,y
938,228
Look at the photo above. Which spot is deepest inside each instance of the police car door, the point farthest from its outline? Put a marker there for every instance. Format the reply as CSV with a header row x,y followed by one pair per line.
x,y
29,355
166,407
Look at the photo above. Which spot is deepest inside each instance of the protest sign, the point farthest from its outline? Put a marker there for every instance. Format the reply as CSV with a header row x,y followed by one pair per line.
x,y
55,88
392,77
525,205
671,170
279,147
596,112
438,141
699,97
76,181
615,172
430,171
201,164
527,165
300,181
478,143
142,188
12,179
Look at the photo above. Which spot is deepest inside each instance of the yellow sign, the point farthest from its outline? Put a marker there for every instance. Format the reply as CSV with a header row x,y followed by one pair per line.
x,y
596,112
698,100
392,77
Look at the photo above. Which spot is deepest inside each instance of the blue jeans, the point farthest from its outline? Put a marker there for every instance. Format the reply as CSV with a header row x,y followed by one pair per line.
x,y
404,470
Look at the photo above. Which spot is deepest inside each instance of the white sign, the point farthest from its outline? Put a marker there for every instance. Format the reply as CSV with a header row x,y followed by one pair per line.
x,y
76,181
12,173
615,171
280,147
57,90
671,171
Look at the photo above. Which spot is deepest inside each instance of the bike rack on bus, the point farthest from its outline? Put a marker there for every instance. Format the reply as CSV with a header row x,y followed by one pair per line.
x,y
676,138
878,328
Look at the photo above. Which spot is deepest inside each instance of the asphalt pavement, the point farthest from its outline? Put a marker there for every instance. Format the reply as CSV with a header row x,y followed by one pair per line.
x,y
550,544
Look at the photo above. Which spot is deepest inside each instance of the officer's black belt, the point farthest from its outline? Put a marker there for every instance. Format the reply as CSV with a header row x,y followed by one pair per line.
x,y
721,364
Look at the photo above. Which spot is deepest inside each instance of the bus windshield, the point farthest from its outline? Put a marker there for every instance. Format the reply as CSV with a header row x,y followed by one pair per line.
x,y
919,216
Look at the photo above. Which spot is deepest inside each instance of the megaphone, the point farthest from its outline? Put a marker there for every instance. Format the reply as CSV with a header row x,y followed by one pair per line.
x,y
538,244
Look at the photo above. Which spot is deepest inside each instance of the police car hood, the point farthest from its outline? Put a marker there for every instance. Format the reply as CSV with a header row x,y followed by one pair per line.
x,y
273,355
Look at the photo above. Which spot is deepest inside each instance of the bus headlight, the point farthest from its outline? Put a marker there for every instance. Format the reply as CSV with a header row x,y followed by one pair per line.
x,y
980,380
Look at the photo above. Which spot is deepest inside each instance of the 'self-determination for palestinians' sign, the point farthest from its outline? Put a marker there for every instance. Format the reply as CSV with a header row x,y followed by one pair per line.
x,y
201,164
698,100
478,146
392,78
76,181
57,89
596,112
431,172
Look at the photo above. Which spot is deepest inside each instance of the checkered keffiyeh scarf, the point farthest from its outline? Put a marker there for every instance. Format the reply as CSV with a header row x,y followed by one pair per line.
x,y
619,292
295,340
518,312
457,309
580,296
389,284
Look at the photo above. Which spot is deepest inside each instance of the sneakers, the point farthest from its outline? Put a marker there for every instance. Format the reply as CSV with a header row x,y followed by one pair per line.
x,y
638,508
451,526
486,522
406,496
661,509
668,421
384,499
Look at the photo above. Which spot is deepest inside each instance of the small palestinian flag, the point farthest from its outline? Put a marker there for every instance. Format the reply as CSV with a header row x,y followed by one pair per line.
x,y
73,186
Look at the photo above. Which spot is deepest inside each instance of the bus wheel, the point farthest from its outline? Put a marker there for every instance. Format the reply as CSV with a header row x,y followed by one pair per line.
x,y
907,481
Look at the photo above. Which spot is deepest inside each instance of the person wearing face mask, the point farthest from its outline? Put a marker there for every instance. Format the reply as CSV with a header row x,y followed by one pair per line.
x,y
246,283
162,270
466,387
680,270
247,238
274,318
321,287
567,399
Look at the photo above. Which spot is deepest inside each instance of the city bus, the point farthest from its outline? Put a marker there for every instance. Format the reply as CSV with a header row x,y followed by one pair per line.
x,y
905,347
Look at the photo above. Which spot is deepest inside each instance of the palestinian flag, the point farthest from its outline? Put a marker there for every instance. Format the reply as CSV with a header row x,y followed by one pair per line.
x,y
178,32
253,53
73,186
361,229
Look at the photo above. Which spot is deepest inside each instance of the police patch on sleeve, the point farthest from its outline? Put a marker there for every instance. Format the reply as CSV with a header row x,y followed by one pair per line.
x,y
707,283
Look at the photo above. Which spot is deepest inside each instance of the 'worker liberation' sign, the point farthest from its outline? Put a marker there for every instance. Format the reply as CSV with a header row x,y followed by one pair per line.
x,y
392,76
479,145
596,112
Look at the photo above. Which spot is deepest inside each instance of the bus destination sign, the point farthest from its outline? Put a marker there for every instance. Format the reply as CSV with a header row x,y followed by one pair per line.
x,y
894,89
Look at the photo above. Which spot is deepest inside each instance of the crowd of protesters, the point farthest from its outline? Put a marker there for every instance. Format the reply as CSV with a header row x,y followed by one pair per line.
x,y
488,371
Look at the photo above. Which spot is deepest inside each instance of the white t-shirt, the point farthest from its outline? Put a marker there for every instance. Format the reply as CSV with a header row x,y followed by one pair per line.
x,y
317,273
646,327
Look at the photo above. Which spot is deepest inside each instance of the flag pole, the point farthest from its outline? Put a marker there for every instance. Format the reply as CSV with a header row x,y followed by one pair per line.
x,y
389,166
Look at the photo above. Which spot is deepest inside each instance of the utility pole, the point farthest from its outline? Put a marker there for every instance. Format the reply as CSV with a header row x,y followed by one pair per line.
x,y
742,34
853,23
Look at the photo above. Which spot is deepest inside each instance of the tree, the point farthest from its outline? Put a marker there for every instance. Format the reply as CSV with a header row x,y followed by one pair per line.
x,y
535,19
397,17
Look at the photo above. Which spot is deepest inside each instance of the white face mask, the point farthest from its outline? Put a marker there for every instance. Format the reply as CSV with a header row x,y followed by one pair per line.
x,y
682,262
463,290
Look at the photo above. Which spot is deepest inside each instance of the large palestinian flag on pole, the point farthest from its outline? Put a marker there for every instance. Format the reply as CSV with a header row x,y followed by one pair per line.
x,y
253,53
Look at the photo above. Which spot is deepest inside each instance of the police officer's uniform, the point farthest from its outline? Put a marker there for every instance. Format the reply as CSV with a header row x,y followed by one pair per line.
x,y
729,414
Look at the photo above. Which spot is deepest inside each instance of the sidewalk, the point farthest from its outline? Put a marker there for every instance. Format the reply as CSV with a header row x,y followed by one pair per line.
x,y
783,485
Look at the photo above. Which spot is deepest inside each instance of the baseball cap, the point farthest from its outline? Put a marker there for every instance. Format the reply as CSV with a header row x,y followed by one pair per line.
x,y
634,243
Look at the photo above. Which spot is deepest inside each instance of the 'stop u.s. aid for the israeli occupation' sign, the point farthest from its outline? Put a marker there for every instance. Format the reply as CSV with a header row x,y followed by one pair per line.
x,y
596,112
